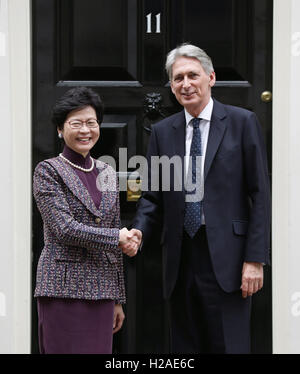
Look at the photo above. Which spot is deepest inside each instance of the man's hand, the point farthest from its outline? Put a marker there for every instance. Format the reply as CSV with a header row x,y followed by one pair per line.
x,y
119,317
252,278
130,241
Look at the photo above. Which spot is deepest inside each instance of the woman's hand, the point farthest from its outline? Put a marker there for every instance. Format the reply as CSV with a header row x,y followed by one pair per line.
x,y
130,241
123,236
119,317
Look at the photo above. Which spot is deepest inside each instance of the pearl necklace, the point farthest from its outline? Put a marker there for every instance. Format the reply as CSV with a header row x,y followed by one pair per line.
x,y
76,166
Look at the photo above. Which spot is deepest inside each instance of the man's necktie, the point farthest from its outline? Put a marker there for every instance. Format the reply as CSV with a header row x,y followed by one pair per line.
x,y
192,216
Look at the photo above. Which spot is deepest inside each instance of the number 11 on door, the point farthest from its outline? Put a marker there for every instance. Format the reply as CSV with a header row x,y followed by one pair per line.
x,y
149,23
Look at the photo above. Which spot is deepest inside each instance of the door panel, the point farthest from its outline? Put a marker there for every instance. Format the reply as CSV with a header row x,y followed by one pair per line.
x,y
222,29
119,47
97,41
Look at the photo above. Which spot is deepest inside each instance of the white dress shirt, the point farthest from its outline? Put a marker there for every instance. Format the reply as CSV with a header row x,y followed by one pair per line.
x,y
204,125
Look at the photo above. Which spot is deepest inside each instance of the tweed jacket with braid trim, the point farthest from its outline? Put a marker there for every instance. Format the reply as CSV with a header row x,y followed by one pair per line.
x,y
80,258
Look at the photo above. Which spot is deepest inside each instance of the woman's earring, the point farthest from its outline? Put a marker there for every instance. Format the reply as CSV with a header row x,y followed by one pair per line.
x,y
60,135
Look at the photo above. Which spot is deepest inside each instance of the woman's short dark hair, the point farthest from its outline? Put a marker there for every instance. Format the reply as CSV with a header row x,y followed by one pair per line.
x,y
73,99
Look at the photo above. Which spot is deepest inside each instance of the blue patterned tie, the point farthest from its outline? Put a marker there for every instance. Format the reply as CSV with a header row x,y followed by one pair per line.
x,y
192,216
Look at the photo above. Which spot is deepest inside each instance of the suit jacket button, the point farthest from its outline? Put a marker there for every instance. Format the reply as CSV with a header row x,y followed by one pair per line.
x,y
97,220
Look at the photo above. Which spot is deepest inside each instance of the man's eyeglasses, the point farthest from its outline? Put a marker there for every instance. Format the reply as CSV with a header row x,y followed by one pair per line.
x,y
77,124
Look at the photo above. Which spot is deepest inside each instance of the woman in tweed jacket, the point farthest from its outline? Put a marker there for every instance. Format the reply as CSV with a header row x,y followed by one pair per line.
x,y
80,282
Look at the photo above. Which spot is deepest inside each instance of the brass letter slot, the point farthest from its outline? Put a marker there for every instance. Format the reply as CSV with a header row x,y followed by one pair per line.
x,y
133,189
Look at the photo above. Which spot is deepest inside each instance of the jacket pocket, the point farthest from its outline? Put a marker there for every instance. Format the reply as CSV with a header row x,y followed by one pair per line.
x,y
240,227
71,254
112,259
227,153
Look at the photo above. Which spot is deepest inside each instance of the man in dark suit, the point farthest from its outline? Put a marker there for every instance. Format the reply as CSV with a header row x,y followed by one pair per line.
x,y
214,245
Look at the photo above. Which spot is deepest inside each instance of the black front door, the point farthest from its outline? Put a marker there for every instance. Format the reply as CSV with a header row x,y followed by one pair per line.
x,y
118,47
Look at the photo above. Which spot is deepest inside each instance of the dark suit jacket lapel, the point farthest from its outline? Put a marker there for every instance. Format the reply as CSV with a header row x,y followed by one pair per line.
x,y
179,129
179,134
74,183
216,133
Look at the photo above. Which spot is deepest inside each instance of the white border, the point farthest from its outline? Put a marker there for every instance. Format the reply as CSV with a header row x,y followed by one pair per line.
x,y
286,179
20,81
280,174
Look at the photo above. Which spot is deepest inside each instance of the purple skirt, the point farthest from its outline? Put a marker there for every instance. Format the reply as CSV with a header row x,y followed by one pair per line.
x,y
73,326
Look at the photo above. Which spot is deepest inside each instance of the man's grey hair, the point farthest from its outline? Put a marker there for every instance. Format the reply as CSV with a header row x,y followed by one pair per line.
x,y
189,50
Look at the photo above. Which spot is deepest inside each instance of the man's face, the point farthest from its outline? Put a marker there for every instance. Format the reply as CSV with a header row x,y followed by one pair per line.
x,y
191,85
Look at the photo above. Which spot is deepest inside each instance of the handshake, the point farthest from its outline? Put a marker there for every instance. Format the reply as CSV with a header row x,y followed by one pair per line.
x,y
130,241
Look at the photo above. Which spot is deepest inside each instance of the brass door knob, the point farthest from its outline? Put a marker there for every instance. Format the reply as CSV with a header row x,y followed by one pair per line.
x,y
266,96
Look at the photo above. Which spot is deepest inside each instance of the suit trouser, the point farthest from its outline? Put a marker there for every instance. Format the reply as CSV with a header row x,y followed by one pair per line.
x,y
204,318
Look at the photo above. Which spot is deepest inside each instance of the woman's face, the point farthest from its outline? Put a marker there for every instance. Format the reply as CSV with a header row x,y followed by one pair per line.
x,y
81,140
